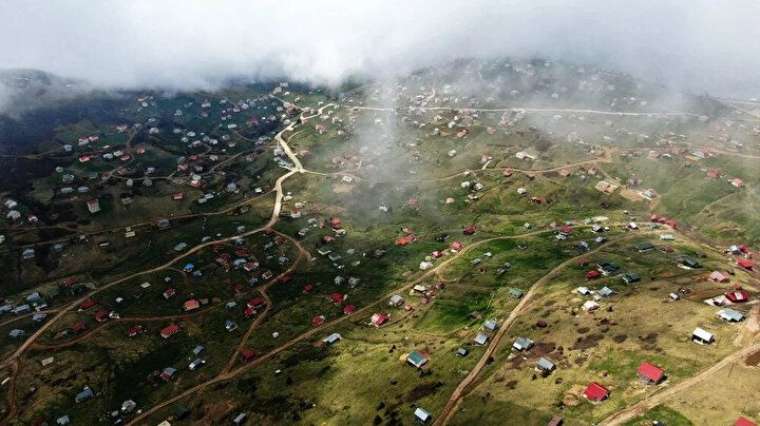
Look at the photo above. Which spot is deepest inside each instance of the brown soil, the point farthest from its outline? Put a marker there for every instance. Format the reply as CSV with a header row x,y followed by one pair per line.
x,y
586,342
752,359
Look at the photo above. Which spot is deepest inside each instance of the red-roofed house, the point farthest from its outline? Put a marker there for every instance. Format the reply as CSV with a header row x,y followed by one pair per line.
x,y
596,392
249,312
743,421
405,240
191,305
650,373
594,274
169,293
470,229
349,309
718,277
308,288
101,315
247,354
379,319
317,320
456,246
256,303
566,229
169,331
79,327
737,296
87,304
747,264
135,331
335,223
337,298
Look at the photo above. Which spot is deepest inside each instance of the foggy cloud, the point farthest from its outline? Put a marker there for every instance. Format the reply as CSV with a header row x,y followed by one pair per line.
x,y
696,45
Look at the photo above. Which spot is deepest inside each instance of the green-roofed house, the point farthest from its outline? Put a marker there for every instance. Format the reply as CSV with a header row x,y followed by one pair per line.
x,y
417,359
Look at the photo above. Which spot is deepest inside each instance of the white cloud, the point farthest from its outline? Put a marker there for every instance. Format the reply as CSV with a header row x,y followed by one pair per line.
x,y
701,45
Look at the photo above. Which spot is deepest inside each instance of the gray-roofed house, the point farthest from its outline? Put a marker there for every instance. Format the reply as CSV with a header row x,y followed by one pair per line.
x,y
702,336
85,395
16,333
491,325
481,339
396,301
516,292
331,339
606,291
462,352
631,278
545,365
422,415
690,263
522,344
730,315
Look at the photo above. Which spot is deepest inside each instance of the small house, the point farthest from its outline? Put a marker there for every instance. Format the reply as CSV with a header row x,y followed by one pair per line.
x,y
596,392
737,296
606,292
545,366
644,247
169,331
743,421
718,277
332,339
196,364
416,359
730,315
230,325
462,352
396,301
481,339
747,264
608,268
491,325
167,374
589,306
85,395
379,319
422,416
650,373
583,291
690,263
191,305
631,278
240,419
522,344
701,336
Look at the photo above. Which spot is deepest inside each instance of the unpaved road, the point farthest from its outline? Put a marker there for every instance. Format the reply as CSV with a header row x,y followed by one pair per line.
x,y
450,408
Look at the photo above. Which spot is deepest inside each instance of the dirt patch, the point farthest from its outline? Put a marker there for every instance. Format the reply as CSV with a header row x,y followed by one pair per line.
x,y
620,338
541,349
586,342
752,359
423,390
583,330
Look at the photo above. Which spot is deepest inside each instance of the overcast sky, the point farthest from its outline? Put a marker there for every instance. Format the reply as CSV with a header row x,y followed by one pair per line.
x,y
700,45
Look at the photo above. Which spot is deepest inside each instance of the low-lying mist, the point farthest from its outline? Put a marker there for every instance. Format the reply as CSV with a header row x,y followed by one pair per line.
x,y
698,46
